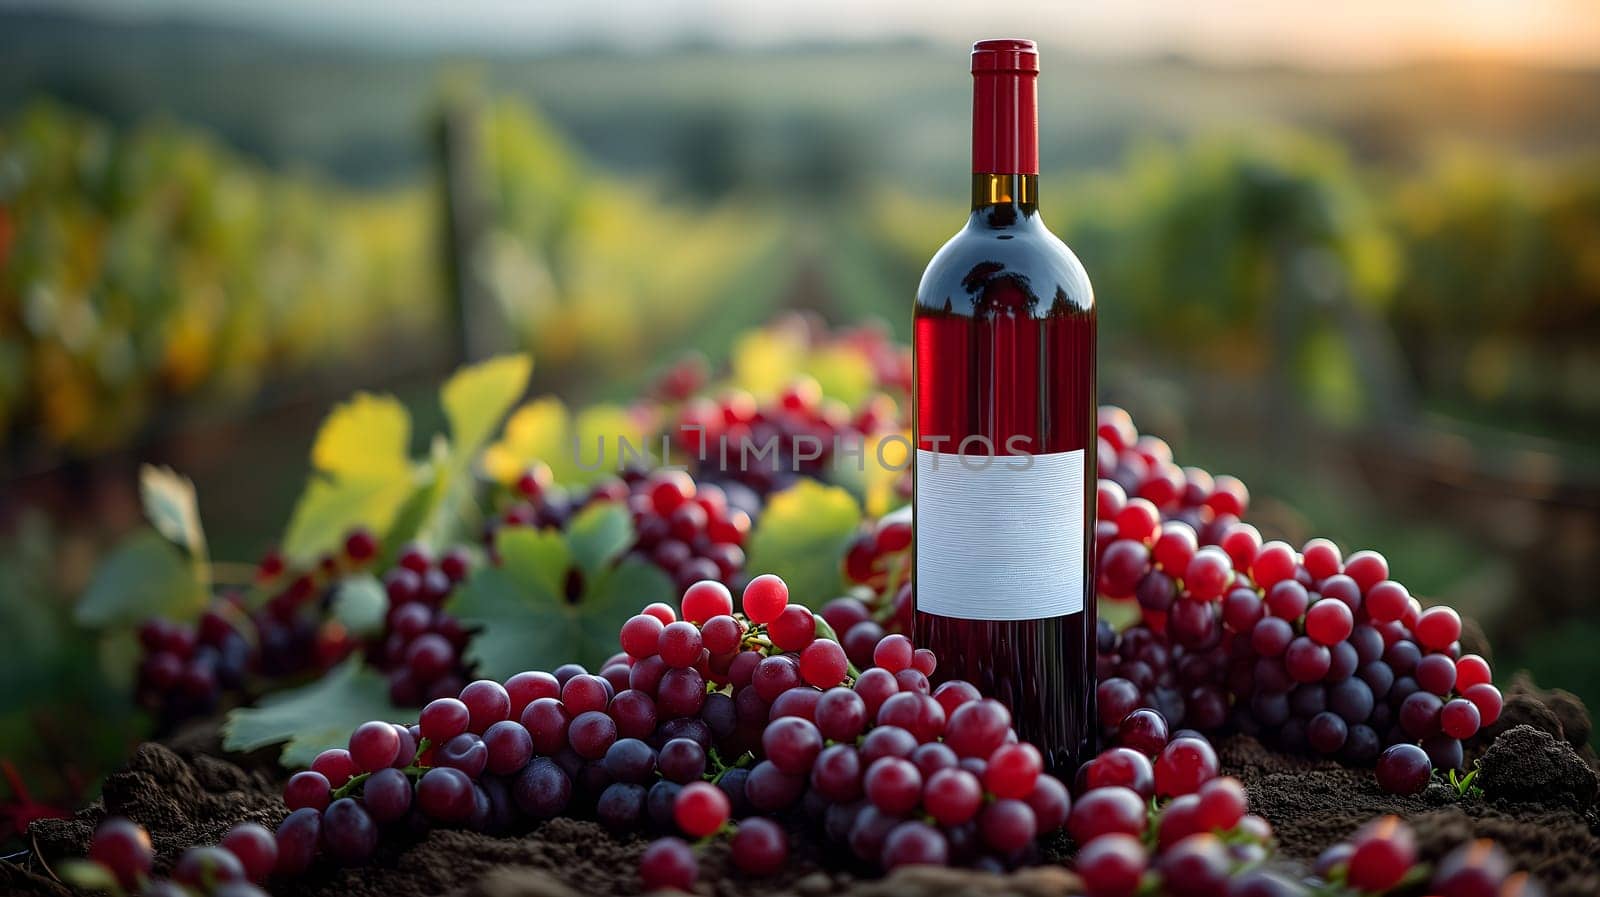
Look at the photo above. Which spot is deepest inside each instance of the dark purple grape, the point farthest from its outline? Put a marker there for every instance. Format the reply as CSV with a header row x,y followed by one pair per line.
x,y
914,843
1378,677
465,752
1361,745
387,795
720,715
1444,752
1306,701
543,789
869,831
688,727
298,837
1269,709
631,761
1326,732
658,804
621,807
1419,714
1352,700
733,784
770,789
446,794
682,760
1404,769
348,833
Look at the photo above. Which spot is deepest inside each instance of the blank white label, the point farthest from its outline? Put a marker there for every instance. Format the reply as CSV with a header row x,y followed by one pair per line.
x,y
1000,543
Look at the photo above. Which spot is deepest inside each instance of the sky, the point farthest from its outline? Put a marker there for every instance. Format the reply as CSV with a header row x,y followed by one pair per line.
x,y
1325,33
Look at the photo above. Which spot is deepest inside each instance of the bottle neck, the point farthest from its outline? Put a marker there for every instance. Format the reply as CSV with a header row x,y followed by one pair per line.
x,y
999,192
1005,121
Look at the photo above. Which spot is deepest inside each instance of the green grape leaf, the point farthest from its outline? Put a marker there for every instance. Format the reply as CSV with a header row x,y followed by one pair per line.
x,y
536,559
361,604
598,535
145,576
314,717
802,536
170,504
362,476
475,399
522,611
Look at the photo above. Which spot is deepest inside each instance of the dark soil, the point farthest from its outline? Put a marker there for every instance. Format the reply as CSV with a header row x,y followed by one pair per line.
x,y
1539,803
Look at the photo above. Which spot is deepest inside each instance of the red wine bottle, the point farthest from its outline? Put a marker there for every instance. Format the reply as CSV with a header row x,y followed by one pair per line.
x,y
1004,342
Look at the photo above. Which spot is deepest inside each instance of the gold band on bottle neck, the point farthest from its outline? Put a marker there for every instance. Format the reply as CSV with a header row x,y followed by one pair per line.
x,y
1005,189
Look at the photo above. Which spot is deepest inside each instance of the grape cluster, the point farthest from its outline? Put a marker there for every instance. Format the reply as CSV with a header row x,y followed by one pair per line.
x,y
690,530
187,670
1155,805
730,434
1382,855
748,724
1310,650
706,716
420,647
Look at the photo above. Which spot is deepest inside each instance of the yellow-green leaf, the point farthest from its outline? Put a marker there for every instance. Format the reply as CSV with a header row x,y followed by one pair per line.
x,y
802,536
476,398
367,437
765,361
330,508
579,449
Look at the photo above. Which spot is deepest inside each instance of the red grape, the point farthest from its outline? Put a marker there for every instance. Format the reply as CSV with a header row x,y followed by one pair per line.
x,y
701,809
794,629
1184,765
1104,811
374,745
1112,865
1487,699
668,864
1384,851
1209,572
952,796
1013,770
1437,628
759,847
764,598
1007,825
124,848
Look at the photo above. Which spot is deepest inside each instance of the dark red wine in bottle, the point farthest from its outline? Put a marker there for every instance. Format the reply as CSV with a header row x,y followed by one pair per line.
x,y
1004,342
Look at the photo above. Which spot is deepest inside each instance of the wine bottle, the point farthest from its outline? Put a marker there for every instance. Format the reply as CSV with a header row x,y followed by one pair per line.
x,y
1004,420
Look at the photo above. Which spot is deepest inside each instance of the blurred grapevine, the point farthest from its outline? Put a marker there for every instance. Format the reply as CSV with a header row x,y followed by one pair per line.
x,y
142,267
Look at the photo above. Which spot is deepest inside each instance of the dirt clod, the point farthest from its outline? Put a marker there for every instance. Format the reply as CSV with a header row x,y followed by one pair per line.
x,y
1525,765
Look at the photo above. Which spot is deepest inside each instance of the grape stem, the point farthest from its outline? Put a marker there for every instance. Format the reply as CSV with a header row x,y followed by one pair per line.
x,y
743,760
344,790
